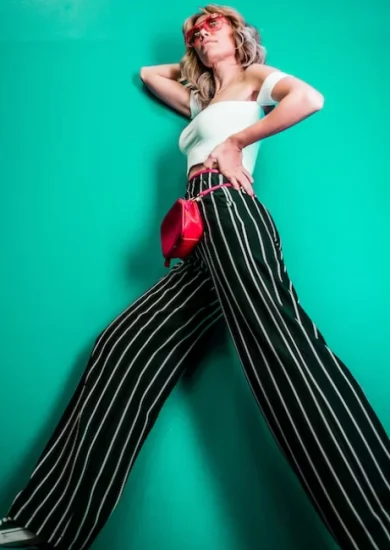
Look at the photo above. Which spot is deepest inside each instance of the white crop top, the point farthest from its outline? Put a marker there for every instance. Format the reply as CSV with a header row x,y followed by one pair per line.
x,y
211,126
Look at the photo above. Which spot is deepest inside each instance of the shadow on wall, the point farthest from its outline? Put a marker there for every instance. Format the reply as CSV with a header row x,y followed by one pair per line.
x,y
146,261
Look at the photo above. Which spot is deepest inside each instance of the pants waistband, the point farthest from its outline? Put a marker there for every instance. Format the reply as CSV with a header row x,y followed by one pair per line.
x,y
204,180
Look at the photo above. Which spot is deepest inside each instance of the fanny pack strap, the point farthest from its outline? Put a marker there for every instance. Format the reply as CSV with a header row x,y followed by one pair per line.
x,y
210,189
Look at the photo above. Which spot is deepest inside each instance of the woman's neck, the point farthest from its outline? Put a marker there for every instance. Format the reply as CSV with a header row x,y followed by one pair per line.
x,y
226,72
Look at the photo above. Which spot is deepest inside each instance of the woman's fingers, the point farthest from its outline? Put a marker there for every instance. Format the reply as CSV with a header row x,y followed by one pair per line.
x,y
248,174
246,183
240,178
234,181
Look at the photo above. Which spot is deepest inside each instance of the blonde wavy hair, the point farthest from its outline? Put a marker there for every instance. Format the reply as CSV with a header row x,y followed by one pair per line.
x,y
198,77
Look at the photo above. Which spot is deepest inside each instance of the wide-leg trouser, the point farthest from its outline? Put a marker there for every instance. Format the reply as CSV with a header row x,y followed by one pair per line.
x,y
317,412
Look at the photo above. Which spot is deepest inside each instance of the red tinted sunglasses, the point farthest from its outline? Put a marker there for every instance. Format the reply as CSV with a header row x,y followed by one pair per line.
x,y
212,23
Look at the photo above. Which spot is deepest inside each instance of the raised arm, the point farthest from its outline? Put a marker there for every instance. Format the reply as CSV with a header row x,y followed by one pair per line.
x,y
162,81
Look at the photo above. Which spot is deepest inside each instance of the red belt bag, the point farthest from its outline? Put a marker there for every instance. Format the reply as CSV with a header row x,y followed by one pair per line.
x,y
182,227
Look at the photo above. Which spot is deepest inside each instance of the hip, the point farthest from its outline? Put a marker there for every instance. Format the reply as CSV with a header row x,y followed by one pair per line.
x,y
230,209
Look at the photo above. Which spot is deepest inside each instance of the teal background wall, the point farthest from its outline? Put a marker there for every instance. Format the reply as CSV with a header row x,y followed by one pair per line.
x,y
88,165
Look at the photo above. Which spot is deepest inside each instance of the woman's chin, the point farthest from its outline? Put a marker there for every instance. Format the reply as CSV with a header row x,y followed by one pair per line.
x,y
212,56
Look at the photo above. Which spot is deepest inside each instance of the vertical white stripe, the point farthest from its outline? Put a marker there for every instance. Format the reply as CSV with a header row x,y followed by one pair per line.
x,y
270,271
274,230
294,304
270,236
62,534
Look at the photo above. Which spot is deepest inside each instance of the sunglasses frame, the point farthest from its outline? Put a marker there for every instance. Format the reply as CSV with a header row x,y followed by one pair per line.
x,y
202,25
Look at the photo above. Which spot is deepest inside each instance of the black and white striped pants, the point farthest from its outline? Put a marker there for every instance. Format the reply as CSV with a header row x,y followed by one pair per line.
x,y
317,412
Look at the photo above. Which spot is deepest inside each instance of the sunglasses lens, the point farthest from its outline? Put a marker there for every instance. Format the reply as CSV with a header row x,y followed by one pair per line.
x,y
213,24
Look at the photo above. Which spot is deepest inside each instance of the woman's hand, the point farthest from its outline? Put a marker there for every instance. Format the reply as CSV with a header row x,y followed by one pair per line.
x,y
227,158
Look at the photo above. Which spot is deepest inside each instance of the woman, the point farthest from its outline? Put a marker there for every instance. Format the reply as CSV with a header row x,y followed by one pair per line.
x,y
317,412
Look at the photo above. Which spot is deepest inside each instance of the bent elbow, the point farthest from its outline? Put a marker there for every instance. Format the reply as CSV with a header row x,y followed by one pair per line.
x,y
316,100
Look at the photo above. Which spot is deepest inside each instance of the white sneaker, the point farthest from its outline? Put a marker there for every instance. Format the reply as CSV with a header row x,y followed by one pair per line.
x,y
13,536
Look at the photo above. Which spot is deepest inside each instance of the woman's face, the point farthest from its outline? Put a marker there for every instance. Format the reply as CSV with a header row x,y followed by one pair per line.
x,y
212,37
